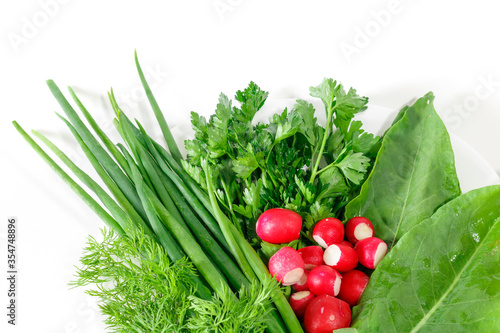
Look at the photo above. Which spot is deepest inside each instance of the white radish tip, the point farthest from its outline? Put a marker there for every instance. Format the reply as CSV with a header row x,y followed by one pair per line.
x,y
320,241
300,295
303,279
362,231
332,255
336,286
292,277
379,254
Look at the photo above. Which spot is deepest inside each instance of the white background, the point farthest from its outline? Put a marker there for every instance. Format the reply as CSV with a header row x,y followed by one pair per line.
x,y
390,51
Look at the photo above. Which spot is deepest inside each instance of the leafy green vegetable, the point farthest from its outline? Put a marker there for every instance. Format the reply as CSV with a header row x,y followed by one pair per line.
x,y
443,275
413,175
225,317
345,105
141,290
136,283
291,161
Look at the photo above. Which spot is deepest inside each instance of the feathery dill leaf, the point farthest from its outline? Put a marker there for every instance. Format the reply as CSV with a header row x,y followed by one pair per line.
x,y
246,315
141,290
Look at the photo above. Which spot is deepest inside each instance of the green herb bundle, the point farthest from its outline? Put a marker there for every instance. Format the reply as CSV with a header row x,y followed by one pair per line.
x,y
148,190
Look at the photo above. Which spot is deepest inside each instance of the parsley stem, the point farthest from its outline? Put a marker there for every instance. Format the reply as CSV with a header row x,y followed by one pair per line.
x,y
229,205
264,171
329,121
327,167
270,177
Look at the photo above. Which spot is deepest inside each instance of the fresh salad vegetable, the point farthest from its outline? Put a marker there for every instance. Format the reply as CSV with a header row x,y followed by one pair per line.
x,y
353,284
461,259
341,257
324,280
299,302
278,225
287,266
358,228
370,232
328,231
417,154
370,251
325,314
312,256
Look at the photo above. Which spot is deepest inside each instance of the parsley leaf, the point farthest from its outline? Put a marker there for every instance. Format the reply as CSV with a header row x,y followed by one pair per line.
x,y
309,128
217,131
251,99
345,105
287,126
199,124
245,164
354,167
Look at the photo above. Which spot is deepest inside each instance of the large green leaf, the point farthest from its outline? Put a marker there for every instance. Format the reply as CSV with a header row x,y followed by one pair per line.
x,y
413,175
443,275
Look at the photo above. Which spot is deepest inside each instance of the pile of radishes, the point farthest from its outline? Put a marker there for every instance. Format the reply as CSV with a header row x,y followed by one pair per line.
x,y
324,277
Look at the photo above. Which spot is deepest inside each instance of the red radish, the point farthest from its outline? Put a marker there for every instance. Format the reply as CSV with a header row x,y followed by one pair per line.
x,y
370,251
312,255
302,285
325,314
353,284
341,257
286,266
324,280
347,243
278,225
328,231
299,302
358,228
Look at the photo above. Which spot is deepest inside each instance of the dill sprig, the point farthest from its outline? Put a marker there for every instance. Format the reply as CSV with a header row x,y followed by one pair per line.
x,y
222,315
141,290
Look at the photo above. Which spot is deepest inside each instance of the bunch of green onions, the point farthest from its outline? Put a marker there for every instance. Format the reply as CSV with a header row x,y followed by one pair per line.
x,y
151,191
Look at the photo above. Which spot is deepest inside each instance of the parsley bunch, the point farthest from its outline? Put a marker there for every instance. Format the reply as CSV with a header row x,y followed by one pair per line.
x,y
291,162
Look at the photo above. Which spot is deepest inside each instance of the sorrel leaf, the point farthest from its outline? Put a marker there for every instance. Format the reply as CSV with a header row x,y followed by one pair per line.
x,y
413,175
443,275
